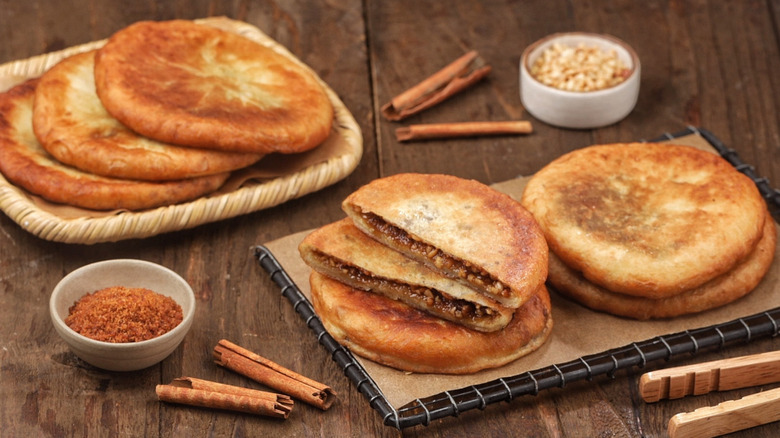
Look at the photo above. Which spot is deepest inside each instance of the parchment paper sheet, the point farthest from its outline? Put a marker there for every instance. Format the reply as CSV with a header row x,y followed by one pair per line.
x,y
578,331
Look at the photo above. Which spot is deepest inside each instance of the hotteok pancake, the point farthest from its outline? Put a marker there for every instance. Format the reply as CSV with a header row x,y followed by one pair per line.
x,y
719,291
396,335
341,251
74,127
25,163
461,228
646,219
192,84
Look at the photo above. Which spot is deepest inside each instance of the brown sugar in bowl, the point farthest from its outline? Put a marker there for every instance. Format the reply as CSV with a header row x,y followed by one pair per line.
x,y
124,314
128,273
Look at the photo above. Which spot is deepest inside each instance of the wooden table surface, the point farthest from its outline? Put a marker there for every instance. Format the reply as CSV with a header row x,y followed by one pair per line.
x,y
711,64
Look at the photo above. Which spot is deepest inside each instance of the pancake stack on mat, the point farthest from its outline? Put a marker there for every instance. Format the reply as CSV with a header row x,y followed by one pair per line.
x,y
651,230
161,114
431,274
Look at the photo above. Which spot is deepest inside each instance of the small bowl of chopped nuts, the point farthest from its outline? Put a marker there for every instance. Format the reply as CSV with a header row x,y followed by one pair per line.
x,y
124,314
579,80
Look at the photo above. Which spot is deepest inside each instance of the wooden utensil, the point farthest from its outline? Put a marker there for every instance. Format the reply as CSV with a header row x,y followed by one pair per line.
x,y
727,417
719,375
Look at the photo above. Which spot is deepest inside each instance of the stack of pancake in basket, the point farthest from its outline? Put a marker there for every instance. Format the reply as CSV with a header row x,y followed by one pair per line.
x,y
651,230
431,274
160,114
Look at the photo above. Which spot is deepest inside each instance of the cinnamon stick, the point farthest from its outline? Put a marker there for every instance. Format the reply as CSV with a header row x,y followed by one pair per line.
x,y
462,129
207,394
450,80
267,372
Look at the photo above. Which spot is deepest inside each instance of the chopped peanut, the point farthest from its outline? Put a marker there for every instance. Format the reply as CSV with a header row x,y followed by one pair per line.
x,y
581,68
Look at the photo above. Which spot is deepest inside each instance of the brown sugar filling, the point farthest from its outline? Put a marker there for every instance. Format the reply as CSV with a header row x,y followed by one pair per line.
x,y
455,267
433,298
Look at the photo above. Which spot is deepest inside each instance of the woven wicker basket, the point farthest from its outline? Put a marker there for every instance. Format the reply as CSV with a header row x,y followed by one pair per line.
x,y
93,227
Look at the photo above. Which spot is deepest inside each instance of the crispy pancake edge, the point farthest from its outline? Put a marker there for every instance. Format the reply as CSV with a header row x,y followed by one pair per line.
x,y
74,127
728,287
25,163
395,335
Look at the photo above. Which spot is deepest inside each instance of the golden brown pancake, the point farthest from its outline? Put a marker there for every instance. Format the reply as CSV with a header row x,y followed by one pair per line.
x,y
728,287
396,335
191,84
344,253
74,127
650,220
25,163
459,227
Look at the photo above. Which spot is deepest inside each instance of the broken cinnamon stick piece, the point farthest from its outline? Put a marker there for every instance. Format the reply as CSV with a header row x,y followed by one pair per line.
x,y
206,394
462,129
450,80
267,372
207,385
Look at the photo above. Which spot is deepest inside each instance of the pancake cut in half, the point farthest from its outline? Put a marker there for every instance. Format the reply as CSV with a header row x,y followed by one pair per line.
x,y
24,162
396,335
191,84
460,228
646,219
74,127
719,291
344,253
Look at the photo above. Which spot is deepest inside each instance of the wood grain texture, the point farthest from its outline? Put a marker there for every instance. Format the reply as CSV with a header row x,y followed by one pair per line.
x,y
705,62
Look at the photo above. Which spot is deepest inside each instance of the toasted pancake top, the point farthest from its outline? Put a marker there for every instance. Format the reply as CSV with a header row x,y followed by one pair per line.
x,y
74,127
25,163
191,84
650,220
396,335
465,219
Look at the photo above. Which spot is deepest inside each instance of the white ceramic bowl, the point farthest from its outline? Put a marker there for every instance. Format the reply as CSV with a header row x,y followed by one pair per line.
x,y
128,356
581,110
